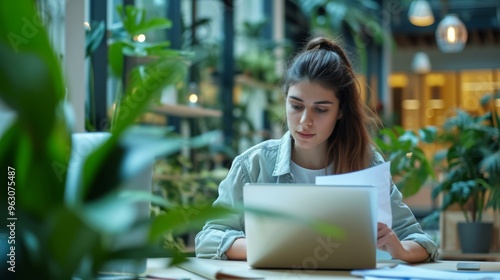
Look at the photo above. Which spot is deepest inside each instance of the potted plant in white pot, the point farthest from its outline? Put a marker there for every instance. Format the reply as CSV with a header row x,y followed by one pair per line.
x,y
471,173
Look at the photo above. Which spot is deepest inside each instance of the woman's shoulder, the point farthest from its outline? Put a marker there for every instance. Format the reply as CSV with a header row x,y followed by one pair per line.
x,y
376,156
266,146
268,150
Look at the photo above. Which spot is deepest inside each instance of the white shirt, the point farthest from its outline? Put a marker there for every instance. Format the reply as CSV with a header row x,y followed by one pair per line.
x,y
308,176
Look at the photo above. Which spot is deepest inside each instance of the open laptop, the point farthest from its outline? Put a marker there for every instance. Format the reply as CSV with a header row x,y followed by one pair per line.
x,y
287,243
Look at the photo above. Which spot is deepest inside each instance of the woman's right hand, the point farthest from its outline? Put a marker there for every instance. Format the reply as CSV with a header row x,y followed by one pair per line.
x,y
238,251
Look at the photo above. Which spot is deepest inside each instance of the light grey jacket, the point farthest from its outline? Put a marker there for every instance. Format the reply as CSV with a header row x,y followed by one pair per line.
x,y
269,162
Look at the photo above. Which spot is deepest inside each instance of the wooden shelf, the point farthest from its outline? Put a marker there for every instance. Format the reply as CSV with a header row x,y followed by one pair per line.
x,y
251,82
184,111
457,255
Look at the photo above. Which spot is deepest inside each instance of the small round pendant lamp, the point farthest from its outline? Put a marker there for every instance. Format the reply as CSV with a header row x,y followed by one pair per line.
x,y
420,13
451,34
421,63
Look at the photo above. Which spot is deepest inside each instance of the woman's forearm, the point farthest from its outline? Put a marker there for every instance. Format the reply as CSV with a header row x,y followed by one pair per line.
x,y
237,251
413,252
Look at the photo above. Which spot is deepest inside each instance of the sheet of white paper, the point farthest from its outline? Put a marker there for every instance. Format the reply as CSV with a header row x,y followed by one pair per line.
x,y
402,271
378,176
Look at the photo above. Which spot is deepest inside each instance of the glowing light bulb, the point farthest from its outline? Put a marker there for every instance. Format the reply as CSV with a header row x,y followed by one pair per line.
x,y
140,38
193,98
451,34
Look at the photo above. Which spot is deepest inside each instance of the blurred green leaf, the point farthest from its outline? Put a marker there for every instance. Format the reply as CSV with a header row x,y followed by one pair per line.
x,y
146,82
69,241
30,58
183,218
115,57
94,36
428,134
59,239
137,196
409,164
134,20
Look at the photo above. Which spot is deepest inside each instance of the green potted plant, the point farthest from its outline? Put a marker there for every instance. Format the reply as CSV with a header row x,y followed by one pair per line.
x,y
468,168
471,173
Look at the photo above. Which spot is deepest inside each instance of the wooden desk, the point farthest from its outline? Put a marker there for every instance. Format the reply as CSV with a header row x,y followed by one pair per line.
x,y
158,268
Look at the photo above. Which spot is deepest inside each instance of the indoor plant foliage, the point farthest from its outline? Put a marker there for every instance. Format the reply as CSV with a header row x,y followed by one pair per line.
x,y
126,51
258,60
471,173
125,39
410,165
188,181
466,173
472,170
56,235
360,21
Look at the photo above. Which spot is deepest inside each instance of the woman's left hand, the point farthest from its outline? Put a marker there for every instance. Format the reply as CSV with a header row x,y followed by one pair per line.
x,y
408,251
388,241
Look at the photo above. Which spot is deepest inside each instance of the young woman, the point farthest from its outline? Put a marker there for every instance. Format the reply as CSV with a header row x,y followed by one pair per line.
x,y
328,133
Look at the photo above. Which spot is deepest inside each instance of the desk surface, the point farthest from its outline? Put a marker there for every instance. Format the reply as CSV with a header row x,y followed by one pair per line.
x,y
158,268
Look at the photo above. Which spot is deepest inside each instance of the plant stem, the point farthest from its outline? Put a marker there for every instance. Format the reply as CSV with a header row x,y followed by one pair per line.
x,y
481,198
466,213
118,98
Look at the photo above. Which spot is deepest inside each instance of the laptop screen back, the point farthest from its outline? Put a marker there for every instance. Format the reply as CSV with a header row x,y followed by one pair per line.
x,y
285,243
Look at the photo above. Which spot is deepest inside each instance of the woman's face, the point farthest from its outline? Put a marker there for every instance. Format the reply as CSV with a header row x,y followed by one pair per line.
x,y
312,112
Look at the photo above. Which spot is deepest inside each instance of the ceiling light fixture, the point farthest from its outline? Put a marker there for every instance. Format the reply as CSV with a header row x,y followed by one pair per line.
x,y
451,34
421,63
420,13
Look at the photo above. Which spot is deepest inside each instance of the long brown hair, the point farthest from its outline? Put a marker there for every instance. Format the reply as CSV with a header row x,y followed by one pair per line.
x,y
323,61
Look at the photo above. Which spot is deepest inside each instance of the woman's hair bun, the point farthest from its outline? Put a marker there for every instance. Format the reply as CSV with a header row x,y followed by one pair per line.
x,y
320,43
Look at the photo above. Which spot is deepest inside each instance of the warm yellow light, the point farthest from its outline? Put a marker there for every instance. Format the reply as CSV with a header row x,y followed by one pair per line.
x,y
86,25
422,21
193,98
450,34
429,113
411,104
436,103
140,38
435,80
420,13
398,80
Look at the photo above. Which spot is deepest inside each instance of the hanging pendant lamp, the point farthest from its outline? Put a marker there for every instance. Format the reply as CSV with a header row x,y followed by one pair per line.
x,y
421,63
420,13
451,34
